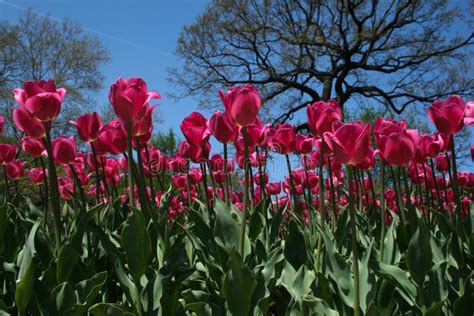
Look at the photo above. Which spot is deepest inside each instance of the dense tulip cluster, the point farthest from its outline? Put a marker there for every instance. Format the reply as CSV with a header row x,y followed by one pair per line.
x,y
384,168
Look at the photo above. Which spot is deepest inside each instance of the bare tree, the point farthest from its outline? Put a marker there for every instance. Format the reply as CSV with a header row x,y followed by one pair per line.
x,y
397,53
39,47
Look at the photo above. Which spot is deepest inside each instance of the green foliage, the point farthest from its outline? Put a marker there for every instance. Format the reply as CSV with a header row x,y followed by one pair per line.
x,y
190,264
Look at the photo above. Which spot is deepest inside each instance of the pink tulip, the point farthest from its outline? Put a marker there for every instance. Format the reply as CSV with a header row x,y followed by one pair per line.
x,y
41,99
321,116
14,169
2,121
130,97
448,116
349,142
469,115
223,127
25,122
7,153
429,146
242,102
36,176
88,126
304,144
194,128
284,139
34,147
64,150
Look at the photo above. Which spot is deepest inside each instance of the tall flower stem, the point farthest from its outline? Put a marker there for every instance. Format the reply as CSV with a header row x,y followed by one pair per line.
x,y
457,198
355,256
438,194
79,187
204,179
397,189
131,194
246,193
322,210
46,190
333,194
226,182
292,184
7,186
53,181
152,188
382,212
188,186
97,175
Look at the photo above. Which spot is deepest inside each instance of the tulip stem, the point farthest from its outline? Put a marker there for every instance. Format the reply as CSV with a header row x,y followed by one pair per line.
x,y
355,257
79,187
130,164
246,193
204,179
322,210
97,177
333,195
438,194
226,182
382,212
455,180
53,181
46,190
188,186
7,187
292,183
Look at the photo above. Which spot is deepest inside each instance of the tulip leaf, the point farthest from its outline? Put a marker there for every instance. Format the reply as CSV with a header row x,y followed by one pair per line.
x,y
226,226
67,259
62,298
137,244
24,288
86,292
419,254
295,247
238,286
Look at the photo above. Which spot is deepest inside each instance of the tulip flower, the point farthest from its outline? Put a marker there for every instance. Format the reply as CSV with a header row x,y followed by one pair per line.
x,y
223,127
7,153
243,103
303,144
429,146
469,115
283,140
25,122
65,187
41,99
144,126
129,98
321,116
194,128
36,176
88,126
349,142
2,121
14,169
34,147
64,150
448,116
113,139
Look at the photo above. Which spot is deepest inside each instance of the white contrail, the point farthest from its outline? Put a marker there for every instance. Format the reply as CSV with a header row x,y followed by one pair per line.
x,y
90,30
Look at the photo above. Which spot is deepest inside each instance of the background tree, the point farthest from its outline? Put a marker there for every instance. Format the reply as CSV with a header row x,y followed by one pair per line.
x,y
397,52
39,47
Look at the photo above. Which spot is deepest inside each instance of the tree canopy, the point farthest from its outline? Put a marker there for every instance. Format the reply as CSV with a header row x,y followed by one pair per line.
x,y
40,47
397,53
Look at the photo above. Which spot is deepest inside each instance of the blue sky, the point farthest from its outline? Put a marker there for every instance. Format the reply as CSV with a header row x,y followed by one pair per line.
x,y
141,36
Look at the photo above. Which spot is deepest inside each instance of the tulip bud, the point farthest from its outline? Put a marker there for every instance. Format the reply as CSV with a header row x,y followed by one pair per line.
x,y
64,150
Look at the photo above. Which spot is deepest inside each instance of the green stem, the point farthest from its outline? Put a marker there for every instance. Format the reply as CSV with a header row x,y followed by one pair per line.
x,y
382,212
226,182
457,198
131,194
246,193
79,187
53,182
355,257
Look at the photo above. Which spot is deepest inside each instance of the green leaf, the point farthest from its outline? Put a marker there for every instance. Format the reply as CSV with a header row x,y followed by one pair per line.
x,y
86,292
463,305
295,247
67,259
24,288
298,283
61,298
419,254
226,226
316,306
105,309
136,243
367,284
238,286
